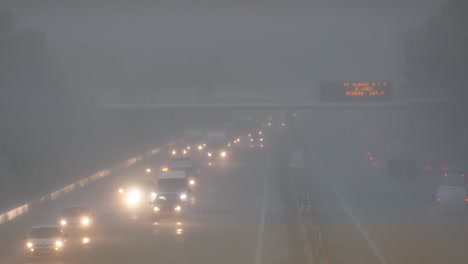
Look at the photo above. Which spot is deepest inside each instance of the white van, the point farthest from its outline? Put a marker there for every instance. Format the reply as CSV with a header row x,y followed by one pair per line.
x,y
451,198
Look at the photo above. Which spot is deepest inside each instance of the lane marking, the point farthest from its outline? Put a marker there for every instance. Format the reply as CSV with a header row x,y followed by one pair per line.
x,y
305,237
372,245
261,227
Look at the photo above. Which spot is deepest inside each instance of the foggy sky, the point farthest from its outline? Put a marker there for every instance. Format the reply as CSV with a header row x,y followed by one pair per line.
x,y
301,43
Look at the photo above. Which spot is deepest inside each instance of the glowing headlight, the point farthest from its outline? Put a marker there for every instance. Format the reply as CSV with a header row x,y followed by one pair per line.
x,y
148,170
133,197
192,182
185,152
156,209
250,135
259,132
209,154
63,222
183,196
251,139
121,190
261,139
261,146
200,147
229,144
223,154
188,147
58,243
269,124
154,195
177,208
282,124
85,240
29,245
85,221
238,140
174,152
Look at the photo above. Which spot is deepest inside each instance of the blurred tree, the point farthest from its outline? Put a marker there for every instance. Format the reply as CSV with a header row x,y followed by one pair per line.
x,y
436,57
436,54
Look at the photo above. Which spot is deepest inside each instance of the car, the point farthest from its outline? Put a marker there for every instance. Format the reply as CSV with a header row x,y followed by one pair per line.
x,y
168,205
451,198
43,240
76,217
453,175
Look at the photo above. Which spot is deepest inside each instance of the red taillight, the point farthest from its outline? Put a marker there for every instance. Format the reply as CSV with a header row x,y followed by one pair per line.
x,y
375,164
445,174
428,168
371,158
466,200
463,175
368,153
443,168
438,199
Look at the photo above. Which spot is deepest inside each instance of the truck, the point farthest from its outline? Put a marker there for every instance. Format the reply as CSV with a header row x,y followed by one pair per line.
x,y
216,144
190,167
173,192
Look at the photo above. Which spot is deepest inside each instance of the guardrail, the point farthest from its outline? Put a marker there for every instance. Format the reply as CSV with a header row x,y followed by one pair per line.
x,y
20,210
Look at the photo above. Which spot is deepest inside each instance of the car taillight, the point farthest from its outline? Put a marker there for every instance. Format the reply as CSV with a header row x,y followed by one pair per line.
x,y
371,158
428,168
466,200
463,175
368,153
445,174
443,168
438,199
375,164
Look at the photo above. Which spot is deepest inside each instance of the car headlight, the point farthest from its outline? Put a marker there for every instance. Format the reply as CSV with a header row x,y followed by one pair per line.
x,y
148,170
223,154
209,154
183,196
121,190
200,147
192,182
261,139
85,221
58,243
156,209
174,152
85,240
177,208
185,151
154,195
29,245
63,222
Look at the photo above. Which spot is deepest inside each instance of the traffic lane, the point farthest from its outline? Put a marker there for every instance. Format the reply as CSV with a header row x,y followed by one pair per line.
x,y
398,218
48,213
222,227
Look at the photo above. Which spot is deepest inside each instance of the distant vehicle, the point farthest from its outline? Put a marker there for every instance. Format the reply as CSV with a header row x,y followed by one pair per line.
x,y
76,217
45,240
191,168
137,193
166,205
175,183
451,198
454,176
216,147
402,168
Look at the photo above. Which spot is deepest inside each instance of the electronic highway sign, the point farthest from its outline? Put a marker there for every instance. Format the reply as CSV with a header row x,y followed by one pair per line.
x,y
366,91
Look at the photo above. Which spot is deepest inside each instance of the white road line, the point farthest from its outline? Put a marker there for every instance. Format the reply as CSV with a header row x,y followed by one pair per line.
x,y
305,238
358,225
261,226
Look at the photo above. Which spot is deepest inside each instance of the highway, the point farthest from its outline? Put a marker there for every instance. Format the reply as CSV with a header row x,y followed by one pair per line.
x,y
242,214
364,217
